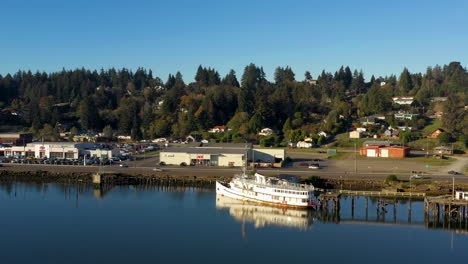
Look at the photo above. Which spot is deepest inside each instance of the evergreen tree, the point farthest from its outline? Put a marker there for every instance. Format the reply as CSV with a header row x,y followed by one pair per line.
x,y
405,83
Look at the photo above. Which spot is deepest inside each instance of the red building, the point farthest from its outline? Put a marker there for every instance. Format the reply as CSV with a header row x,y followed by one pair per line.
x,y
385,152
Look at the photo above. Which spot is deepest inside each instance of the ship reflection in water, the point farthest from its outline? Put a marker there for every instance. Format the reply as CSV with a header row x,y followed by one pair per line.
x,y
262,216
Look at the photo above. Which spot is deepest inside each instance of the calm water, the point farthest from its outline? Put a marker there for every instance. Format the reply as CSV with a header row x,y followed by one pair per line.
x,y
69,224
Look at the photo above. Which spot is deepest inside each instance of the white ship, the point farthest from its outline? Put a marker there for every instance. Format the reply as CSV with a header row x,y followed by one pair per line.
x,y
270,191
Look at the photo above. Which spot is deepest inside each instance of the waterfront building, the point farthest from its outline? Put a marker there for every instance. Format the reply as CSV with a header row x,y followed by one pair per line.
x,y
58,150
220,154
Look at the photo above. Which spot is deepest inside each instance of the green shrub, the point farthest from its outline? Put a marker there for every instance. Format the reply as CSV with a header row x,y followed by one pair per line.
x,y
391,178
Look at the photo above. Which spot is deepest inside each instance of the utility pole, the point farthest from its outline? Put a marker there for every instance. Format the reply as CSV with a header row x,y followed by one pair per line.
x,y
355,158
453,187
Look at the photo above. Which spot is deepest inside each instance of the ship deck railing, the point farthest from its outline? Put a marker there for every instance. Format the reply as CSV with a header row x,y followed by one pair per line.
x,y
299,187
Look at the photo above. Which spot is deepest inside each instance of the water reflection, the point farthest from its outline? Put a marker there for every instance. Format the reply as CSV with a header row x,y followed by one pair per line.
x,y
262,216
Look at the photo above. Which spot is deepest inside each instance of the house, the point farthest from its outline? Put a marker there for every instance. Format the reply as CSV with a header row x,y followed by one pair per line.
x,y
382,83
403,100
304,144
322,134
461,195
266,132
378,117
402,116
219,129
404,128
439,99
308,139
355,134
291,144
442,150
361,129
365,121
436,133
392,133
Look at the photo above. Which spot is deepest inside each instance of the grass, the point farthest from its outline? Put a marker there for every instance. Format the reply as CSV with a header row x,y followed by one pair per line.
x,y
427,161
340,156
436,123
313,150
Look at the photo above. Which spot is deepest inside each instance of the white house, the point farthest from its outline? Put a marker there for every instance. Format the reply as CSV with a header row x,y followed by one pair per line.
x,y
354,134
266,132
403,100
219,129
304,144
322,133
361,129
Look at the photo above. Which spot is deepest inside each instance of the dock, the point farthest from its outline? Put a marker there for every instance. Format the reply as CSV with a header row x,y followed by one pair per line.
x,y
446,212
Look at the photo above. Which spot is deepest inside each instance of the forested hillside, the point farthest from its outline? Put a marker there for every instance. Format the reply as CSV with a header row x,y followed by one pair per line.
x,y
146,107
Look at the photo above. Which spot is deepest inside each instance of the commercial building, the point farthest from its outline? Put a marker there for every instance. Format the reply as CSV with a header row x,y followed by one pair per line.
x,y
219,154
58,150
15,139
385,152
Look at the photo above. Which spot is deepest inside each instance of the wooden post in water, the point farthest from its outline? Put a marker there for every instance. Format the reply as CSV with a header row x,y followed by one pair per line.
x,y
409,211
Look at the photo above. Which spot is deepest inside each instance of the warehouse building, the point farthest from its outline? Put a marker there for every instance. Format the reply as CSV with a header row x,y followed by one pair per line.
x,y
220,154
385,152
58,150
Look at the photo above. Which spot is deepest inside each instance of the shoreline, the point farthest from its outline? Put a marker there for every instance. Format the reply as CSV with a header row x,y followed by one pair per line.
x,y
193,178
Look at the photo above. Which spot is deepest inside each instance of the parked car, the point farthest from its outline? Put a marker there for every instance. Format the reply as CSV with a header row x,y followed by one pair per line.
x,y
158,169
303,164
124,165
454,172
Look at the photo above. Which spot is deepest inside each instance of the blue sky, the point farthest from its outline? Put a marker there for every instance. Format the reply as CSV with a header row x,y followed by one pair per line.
x,y
379,37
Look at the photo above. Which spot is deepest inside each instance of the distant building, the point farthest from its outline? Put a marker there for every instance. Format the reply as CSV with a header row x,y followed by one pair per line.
x,y
461,195
442,150
15,139
322,134
304,144
361,129
402,116
403,100
365,121
59,150
355,134
266,132
439,99
220,154
436,133
382,83
219,129
385,152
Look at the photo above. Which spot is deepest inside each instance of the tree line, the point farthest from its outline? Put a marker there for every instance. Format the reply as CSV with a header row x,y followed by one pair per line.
x,y
142,105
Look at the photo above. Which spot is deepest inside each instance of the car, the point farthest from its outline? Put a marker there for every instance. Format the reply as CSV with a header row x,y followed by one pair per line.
x,y
123,165
314,166
158,169
418,176
454,172
303,164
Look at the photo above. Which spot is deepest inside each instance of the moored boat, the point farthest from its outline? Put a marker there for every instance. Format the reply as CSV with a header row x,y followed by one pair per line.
x,y
267,190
